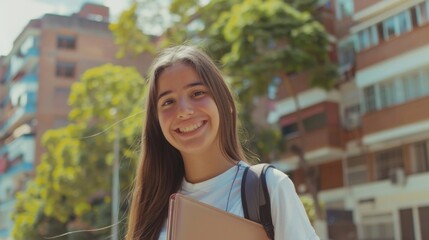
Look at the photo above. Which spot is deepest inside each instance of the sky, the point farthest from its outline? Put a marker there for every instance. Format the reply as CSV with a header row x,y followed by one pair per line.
x,y
15,14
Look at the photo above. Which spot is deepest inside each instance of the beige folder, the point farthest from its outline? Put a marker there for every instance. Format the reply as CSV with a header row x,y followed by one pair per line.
x,y
189,219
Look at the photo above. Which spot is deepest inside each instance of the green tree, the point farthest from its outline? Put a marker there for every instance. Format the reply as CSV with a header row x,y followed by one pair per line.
x,y
128,34
73,180
270,40
261,41
258,42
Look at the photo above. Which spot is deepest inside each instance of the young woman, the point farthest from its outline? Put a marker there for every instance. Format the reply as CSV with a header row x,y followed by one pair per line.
x,y
191,146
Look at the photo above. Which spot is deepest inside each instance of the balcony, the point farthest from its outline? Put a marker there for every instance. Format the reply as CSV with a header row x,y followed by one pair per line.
x,y
365,9
396,121
382,193
396,46
22,113
321,138
19,168
23,64
323,133
15,178
23,146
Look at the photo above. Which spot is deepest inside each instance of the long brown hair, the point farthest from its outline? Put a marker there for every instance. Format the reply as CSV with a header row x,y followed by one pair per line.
x,y
161,170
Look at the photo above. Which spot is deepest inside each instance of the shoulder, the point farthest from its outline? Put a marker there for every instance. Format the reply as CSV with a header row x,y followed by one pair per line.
x,y
278,179
289,217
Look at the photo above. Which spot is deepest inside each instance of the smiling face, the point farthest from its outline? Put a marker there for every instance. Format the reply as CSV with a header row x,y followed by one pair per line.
x,y
187,113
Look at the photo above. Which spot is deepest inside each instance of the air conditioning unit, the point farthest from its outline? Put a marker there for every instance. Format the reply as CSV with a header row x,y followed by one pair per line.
x,y
397,176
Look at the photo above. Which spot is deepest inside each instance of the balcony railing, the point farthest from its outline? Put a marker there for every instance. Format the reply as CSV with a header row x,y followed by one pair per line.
x,y
20,169
396,116
23,146
393,47
24,89
20,116
328,137
23,63
17,169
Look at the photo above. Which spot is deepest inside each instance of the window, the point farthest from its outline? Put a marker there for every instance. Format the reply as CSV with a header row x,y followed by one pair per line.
x,y
424,221
389,28
352,116
424,81
411,84
367,38
290,130
404,22
345,8
346,52
315,122
378,227
406,223
66,42
403,88
420,156
65,69
357,170
387,162
370,99
422,13
396,25
388,94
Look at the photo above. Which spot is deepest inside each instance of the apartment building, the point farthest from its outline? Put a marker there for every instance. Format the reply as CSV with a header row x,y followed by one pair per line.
x,y
48,56
367,140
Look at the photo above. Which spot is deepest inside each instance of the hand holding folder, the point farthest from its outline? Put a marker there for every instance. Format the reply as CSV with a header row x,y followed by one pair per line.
x,y
189,219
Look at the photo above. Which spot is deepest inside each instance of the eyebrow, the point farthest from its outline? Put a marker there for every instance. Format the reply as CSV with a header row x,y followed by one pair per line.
x,y
187,86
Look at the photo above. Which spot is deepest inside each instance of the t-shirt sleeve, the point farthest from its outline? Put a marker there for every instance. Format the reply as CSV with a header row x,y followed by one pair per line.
x,y
289,217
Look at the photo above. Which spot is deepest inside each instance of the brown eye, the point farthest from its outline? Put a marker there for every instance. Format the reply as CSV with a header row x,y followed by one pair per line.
x,y
167,102
198,93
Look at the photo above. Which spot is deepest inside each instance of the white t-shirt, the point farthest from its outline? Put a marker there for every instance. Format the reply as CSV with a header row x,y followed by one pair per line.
x,y
288,214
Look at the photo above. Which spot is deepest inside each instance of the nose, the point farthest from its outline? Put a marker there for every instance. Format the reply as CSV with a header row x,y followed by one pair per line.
x,y
185,109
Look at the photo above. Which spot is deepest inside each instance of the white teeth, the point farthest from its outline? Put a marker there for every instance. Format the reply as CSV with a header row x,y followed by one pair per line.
x,y
190,128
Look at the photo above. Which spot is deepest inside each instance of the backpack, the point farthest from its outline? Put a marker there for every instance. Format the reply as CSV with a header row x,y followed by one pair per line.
x,y
255,197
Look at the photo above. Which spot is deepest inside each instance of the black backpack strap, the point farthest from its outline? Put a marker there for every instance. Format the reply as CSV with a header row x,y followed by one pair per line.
x,y
255,197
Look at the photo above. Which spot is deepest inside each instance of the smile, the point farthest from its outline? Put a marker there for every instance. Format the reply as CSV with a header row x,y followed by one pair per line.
x,y
190,128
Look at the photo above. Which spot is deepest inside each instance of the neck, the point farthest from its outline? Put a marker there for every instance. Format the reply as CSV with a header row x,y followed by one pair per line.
x,y
201,167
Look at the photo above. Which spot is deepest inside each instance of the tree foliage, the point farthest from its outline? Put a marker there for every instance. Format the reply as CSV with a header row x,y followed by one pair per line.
x,y
128,35
271,39
73,179
256,42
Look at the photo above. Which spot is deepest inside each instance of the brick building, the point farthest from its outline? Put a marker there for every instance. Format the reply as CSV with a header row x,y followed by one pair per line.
x,y
48,56
367,140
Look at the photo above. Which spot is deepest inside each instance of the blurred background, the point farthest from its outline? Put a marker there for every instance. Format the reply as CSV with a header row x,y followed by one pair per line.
x,y
335,93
